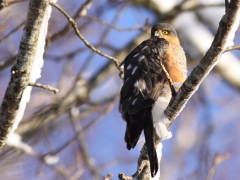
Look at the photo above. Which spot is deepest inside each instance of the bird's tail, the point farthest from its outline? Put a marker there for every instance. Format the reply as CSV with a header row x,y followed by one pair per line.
x,y
152,154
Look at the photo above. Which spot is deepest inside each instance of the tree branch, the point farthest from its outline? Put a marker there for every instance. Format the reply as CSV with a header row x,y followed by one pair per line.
x,y
15,142
7,63
74,115
216,161
74,25
13,31
47,87
6,4
231,48
81,11
21,69
110,25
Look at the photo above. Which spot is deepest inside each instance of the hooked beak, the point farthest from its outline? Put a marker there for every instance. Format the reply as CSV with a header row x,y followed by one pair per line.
x,y
156,34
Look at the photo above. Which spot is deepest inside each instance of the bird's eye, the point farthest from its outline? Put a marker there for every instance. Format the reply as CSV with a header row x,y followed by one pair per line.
x,y
164,32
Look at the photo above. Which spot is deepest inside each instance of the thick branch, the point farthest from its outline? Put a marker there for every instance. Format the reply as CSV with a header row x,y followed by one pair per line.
x,y
21,69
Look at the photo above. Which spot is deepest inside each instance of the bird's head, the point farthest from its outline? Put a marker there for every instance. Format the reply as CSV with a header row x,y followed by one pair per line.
x,y
165,31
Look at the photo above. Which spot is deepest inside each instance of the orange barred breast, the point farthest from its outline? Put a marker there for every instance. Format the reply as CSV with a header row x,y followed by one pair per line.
x,y
175,60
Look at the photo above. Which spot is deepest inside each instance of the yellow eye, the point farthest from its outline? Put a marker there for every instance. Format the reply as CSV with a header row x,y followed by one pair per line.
x,y
164,32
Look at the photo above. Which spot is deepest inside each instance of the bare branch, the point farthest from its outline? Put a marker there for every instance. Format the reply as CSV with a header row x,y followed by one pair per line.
x,y
74,25
114,162
6,4
21,69
108,177
81,144
183,6
81,11
67,55
46,87
65,145
231,48
110,25
43,159
7,63
11,32
216,161
104,112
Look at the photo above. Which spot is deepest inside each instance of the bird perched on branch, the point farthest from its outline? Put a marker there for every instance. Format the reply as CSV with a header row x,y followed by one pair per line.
x,y
153,72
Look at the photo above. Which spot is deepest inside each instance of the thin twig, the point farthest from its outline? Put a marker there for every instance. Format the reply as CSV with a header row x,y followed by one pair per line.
x,y
202,6
69,55
58,150
74,25
216,161
80,12
18,144
14,30
108,176
103,37
46,87
110,25
115,161
105,111
231,48
79,169
6,4
180,8
89,125
3,27
7,63
74,115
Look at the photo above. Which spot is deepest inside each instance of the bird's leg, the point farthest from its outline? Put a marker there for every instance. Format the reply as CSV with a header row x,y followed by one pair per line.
x,y
174,93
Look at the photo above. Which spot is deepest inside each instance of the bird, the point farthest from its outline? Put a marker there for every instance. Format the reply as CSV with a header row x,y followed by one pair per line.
x,y
153,73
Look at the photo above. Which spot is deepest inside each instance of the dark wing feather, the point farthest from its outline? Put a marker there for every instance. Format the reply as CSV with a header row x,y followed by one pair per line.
x,y
143,82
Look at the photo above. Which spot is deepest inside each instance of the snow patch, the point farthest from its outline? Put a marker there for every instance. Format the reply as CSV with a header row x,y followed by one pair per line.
x,y
36,66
